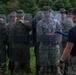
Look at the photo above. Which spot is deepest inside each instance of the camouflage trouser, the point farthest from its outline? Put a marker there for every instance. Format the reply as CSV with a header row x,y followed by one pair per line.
x,y
22,67
20,57
36,51
48,58
2,68
72,66
2,61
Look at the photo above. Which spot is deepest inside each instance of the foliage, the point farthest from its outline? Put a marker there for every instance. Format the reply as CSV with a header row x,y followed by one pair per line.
x,y
45,3
12,6
9,7
2,9
32,6
29,6
73,3
62,4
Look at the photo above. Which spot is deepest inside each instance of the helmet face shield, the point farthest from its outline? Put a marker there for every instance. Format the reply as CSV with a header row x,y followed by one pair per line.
x,y
3,17
13,18
46,14
28,17
20,17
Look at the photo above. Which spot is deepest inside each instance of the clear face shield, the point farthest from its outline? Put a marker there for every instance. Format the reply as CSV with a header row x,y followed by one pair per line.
x,y
13,18
20,17
46,14
3,17
63,15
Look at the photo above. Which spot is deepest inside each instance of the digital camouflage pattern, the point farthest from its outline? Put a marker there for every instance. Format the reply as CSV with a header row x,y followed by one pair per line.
x,y
72,66
67,24
49,52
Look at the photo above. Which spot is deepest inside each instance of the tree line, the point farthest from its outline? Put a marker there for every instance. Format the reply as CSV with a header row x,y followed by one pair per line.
x,y
32,6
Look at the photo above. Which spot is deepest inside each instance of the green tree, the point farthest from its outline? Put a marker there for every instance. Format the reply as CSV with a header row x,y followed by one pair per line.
x,y
29,6
4,1
62,4
45,3
2,9
12,6
73,3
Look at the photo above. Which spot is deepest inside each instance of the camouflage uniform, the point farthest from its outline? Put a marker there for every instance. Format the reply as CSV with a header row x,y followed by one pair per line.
x,y
67,24
20,53
12,19
39,16
3,39
49,52
35,20
71,66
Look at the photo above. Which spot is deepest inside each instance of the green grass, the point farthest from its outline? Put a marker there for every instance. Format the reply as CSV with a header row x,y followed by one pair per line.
x,y
32,60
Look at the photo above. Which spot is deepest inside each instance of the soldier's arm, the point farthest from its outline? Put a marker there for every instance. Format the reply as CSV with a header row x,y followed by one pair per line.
x,y
67,51
3,33
69,45
68,48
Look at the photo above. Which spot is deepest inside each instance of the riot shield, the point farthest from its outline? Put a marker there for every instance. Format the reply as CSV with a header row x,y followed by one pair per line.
x,y
3,17
19,41
48,52
9,18
3,41
67,25
28,17
2,54
39,15
19,46
55,13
